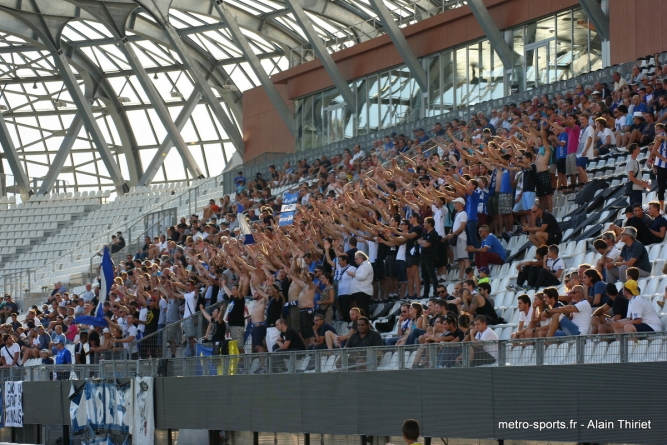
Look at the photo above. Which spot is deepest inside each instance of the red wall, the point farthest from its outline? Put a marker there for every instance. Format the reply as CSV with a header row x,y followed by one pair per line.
x,y
264,130
637,29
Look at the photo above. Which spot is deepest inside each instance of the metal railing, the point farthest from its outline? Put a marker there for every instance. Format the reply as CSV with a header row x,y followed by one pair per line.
x,y
577,350
369,29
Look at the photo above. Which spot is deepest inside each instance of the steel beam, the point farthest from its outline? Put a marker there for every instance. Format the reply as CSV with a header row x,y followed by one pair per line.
x,y
325,58
49,30
61,155
163,150
114,15
401,44
492,32
9,149
242,42
597,16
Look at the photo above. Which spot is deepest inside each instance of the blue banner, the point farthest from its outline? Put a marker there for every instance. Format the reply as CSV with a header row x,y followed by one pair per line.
x,y
288,209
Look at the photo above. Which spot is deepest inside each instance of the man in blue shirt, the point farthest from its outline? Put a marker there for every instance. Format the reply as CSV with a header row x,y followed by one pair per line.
x,y
490,252
63,357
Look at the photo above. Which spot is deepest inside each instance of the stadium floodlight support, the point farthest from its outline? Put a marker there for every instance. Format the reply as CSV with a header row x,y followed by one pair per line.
x,y
114,15
321,51
159,10
242,43
492,33
48,29
597,16
61,156
165,146
401,44
12,156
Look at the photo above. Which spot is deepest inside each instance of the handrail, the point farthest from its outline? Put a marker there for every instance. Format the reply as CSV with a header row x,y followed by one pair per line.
x,y
553,351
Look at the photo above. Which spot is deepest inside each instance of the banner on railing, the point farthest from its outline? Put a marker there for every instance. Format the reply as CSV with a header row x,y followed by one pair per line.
x,y
288,209
98,408
2,410
143,428
13,398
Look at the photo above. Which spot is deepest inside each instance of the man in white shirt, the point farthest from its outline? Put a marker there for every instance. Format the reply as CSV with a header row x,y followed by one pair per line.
x,y
641,315
129,331
190,297
359,154
440,213
10,353
488,352
88,295
525,315
344,285
580,310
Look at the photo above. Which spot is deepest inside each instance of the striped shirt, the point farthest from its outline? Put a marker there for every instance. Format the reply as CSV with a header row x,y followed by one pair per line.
x,y
663,152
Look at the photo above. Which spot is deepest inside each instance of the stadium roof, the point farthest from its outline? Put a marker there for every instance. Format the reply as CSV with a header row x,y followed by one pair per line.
x,y
112,46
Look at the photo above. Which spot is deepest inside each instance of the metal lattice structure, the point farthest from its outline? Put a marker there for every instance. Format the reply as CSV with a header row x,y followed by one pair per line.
x,y
94,94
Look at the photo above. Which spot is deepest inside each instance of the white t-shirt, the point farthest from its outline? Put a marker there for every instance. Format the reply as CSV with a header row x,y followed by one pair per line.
x,y
143,315
640,307
460,218
190,303
619,123
163,311
583,318
603,136
345,280
130,331
526,318
589,132
556,265
439,216
8,354
400,253
488,335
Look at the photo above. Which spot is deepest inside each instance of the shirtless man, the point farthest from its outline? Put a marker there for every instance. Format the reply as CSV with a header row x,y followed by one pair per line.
x,y
257,320
544,186
306,304
293,293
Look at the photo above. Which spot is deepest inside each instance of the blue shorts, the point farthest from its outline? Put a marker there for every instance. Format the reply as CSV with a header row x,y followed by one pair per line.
x,y
582,162
567,328
528,200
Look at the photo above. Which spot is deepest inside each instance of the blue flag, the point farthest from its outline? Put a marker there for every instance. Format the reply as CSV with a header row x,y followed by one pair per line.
x,y
106,280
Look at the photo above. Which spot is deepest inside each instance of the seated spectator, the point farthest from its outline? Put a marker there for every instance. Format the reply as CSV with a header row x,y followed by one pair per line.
x,y
580,310
614,309
45,355
365,336
491,250
606,247
290,340
525,315
478,303
658,225
639,220
321,328
641,316
597,288
486,353
633,254
538,327
530,270
552,271
10,353
546,229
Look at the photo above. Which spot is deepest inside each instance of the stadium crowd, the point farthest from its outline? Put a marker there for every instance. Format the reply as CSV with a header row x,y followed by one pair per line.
x,y
387,223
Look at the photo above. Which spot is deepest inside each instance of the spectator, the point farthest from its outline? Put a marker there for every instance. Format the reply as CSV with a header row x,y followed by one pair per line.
x,y
615,309
658,225
491,250
321,329
364,336
362,285
488,352
546,230
525,315
634,175
633,254
63,357
410,432
290,340
641,316
580,310
10,353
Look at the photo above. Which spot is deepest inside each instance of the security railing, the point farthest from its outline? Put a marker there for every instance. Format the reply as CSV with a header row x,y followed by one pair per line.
x,y
576,350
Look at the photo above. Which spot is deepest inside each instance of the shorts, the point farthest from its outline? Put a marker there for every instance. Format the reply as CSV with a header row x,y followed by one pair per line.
x,y
528,200
505,203
543,184
554,239
174,333
461,253
258,333
441,255
643,327
411,261
307,318
552,169
237,334
571,164
518,207
378,270
401,271
492,205
582,162
390,266
189,327
560,166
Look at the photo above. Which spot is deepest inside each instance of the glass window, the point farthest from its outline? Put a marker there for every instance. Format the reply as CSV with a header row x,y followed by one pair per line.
x,y
362,106
497,75
434,87
373,103
564,44
517,83
385,100
298,111
595,49
580,62
474,66
309,133
461,60
448,82
350,116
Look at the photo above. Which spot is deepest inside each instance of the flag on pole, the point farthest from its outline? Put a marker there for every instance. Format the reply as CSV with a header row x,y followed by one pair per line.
x,y
106,280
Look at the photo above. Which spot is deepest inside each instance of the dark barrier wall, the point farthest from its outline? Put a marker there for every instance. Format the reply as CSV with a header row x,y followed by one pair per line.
x,y
463,403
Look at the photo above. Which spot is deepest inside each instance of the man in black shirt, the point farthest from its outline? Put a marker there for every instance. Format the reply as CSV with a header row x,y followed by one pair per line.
x,y
290,340
546,230
364,337
429,252
148,346
601,318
